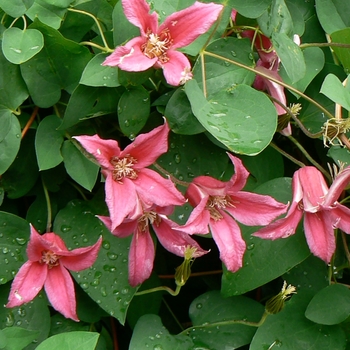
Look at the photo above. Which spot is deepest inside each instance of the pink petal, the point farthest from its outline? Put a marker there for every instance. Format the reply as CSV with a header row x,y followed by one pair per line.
x,y
314,187
341,217
28,282
154,189
265,209
36,245
59,289
121,199
125,229
102,150
282,228
239,179
175,242
287,131
319,234
141,257
338,186
81,258
130,57
177,70
208,186
186,25
146,148
227,236
137,13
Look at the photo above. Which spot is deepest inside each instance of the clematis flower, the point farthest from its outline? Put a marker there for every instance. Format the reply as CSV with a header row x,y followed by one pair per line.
x,y
322,213
142,251
156,46
49,260
127,178
218,204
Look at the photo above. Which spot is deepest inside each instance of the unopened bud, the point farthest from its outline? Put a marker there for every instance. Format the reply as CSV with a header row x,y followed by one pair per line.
x,y
183,272
276,303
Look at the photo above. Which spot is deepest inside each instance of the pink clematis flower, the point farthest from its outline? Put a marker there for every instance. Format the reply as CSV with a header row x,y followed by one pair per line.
x,y
218,204
157,45
47,266
142,251
127,179
322,213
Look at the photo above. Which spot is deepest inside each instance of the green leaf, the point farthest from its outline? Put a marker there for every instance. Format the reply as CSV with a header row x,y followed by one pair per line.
x,y
221,73
133,110
343,37
150,333
47,12
250,8
97,75
334,90
179,115
265,260
291,330
89,102
276,19
330,305
242,118
57,66
13,238
339,155
18,338
48,142
79,168
19,45
291,56
10,139
212,307
10,81
333,15
16,8
106,282
70,341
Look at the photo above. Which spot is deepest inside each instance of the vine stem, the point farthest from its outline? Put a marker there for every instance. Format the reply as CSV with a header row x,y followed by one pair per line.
x,y
287,155
287,86
98,26
227,323
174,179
161,289
48,205
30,121
345,46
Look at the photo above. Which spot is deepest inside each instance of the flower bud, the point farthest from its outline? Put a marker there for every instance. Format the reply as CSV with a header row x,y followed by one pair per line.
x,y
276,303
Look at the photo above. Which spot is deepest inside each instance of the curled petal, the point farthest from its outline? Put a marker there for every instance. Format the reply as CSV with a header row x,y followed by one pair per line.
x,y
228,238
141,257
59,288
319,234
154,189
28,282
177,69
130,57
208,186
239,178
341,217
125,229
265,209
338,186
81,258
102,150
175,241
146,148
186,25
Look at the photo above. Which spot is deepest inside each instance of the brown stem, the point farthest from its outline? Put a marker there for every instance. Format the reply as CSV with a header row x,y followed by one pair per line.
x,y
30,121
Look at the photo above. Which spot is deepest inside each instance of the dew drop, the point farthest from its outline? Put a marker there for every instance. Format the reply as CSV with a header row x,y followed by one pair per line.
x,y
233,53
9,320
199,306
112,256
251,246
106,245
157,347
103,291
177,158
65,228
125,291
84,285
5,250
16,50
126,123
21,241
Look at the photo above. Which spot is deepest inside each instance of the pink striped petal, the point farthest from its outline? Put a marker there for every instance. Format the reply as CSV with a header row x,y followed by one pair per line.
x,y
319,234
130,57
125,229
266,208
141,257
239,178
146,148
341,217
28,282
206,186
121,199
102,150
227,236
338,186
154,189
137,13
177,70
81,258
60,291
186,25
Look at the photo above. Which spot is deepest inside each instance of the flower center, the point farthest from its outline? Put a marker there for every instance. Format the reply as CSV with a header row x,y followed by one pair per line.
x,y
50,258
215,203
157,45
149,217
123,167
